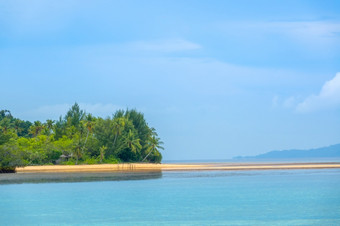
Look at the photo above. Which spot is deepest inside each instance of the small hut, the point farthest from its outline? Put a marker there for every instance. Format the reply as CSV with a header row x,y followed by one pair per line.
x,y
64,158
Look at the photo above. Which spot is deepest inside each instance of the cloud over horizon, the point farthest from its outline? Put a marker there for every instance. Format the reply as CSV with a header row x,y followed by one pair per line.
x,y
329,97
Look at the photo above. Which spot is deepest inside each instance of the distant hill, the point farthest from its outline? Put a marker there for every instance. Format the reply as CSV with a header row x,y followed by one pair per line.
x,y
332,151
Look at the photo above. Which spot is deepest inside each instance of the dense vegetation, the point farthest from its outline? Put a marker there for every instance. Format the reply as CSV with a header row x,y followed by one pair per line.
x,y
77,138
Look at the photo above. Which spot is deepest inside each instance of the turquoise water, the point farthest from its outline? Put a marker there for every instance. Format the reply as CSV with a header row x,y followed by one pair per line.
x,y
287,197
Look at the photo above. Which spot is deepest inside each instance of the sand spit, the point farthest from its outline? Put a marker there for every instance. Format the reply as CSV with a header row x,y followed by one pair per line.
x,y
128,167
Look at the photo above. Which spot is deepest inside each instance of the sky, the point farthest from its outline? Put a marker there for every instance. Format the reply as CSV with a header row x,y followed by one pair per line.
x,y
217,79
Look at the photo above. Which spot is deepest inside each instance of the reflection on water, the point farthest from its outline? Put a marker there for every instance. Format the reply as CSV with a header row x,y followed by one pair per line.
x,y
19,178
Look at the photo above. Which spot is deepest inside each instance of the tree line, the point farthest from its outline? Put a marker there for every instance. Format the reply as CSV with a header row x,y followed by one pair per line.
x,y
78,138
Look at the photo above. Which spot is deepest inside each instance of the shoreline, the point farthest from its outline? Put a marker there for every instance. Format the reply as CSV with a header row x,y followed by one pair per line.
x,y
144,167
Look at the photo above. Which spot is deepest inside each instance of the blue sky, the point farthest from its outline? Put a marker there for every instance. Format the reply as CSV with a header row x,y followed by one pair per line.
x,y
216,79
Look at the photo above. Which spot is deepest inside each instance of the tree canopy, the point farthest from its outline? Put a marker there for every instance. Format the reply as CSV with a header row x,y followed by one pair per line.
x,y
78,138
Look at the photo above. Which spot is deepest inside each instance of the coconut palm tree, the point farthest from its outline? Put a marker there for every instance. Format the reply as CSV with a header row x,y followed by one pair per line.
x,y
48,127
89,123
132,142
6,124
36,128
118,127
102,153
153,145
77,152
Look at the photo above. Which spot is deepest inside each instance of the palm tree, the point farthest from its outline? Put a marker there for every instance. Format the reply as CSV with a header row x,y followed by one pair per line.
x,y
17,126
5,114
132,142
118,127
48,126
59,128
77,149
36,128
89,125
154,144
102,153
6,124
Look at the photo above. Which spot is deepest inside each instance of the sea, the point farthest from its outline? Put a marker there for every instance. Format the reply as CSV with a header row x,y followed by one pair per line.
x,y
263,197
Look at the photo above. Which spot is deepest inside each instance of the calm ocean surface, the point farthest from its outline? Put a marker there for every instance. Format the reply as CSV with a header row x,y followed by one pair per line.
x,y
278,197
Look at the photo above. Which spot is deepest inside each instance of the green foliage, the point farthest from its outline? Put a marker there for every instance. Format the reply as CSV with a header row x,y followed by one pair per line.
x,y
78,137
111,160
102,153
74,116
153,145
17,126
10,157
53,155
91,161
69,162
6,135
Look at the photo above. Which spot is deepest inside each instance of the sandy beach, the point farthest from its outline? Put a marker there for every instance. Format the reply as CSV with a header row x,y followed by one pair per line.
x,y
128,167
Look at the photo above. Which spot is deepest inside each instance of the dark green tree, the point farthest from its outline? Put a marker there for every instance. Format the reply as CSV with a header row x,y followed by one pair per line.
x,y
74,116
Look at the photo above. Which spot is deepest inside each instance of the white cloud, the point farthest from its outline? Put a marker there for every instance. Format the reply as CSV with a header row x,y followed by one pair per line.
x,y
173,45
290,102
329,97
54,111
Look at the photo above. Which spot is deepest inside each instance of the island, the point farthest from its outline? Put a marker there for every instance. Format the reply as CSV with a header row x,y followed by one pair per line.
x,y
329,152
77,138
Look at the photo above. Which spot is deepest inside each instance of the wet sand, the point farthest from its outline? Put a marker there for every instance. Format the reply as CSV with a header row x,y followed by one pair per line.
x,y
128,167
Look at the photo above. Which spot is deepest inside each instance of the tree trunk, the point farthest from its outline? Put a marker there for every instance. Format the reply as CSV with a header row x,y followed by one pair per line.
x,y
114,141
147,155
87,135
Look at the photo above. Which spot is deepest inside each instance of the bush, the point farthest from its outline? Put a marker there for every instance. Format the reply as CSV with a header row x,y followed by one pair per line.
x,y
53,155
91,161
10,158
69,162
111,160
49,164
